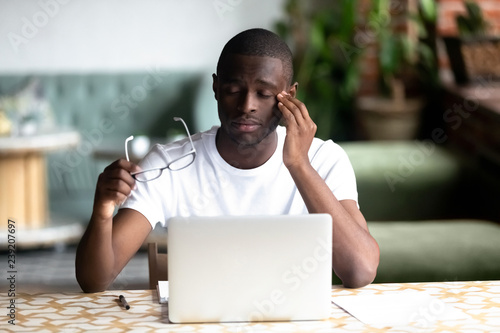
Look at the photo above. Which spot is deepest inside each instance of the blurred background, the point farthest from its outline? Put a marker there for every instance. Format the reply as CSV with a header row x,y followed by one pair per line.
x,y
407,87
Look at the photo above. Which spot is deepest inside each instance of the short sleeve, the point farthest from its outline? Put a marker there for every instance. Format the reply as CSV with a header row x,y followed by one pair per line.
x,y
334,166
146,197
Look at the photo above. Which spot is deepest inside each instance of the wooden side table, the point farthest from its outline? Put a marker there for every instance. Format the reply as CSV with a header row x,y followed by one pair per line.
x,y
23,178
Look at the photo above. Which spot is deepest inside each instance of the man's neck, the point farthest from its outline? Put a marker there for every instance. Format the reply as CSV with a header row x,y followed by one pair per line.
x,y
245,157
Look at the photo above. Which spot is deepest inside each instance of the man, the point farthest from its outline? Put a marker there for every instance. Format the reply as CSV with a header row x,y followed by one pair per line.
x,y
248,165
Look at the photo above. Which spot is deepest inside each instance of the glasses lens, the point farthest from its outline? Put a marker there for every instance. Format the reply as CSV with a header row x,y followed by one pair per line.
x,y
148,175
182,162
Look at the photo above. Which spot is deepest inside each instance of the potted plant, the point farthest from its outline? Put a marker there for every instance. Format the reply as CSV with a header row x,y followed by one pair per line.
x,y
406,63
321,34
474,53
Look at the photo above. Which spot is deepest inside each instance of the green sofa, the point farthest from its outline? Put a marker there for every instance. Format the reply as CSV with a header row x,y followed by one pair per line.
x,y
433,212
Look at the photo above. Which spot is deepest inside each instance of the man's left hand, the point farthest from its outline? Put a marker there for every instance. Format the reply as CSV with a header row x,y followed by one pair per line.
x,y
300,130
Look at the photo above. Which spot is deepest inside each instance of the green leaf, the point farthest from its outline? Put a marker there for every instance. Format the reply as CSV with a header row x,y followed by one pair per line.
x,y
429,10
388,55
317,36
409,49
427,57
350,9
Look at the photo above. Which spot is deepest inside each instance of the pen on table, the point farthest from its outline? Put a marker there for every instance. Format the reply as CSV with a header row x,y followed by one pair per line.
x,y
124,302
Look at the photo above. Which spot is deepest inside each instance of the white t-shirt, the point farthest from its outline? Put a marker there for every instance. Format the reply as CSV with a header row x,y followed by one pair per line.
x,y
212,187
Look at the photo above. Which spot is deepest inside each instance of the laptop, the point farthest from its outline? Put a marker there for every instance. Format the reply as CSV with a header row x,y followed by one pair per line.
x,y
249,268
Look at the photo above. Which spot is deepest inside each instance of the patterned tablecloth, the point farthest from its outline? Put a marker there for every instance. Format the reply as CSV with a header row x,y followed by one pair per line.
x,y
73,312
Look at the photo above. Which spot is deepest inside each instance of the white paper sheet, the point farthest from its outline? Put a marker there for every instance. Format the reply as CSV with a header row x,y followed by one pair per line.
x,y
398,309
162,289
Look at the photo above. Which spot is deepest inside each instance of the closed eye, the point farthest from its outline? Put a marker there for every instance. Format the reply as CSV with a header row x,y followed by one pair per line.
x,y
231,90
265,94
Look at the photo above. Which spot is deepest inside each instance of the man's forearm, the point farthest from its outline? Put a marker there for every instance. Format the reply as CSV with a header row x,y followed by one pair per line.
x,y
313,189
95,257
355,252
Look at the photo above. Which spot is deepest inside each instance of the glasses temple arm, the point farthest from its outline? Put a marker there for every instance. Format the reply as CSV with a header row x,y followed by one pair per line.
x,y
187,130
126,146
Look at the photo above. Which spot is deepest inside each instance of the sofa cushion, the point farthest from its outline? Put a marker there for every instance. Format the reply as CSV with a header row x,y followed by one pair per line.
x,y
447,250
405,180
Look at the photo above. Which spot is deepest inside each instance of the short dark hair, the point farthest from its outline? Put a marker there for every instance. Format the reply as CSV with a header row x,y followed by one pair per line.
x,y
263,43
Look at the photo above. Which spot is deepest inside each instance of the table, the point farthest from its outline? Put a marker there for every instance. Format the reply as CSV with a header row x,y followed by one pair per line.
x,y
73,312
23,185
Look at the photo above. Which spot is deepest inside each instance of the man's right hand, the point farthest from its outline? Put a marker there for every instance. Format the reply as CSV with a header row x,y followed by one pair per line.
x,y
110,241
114,185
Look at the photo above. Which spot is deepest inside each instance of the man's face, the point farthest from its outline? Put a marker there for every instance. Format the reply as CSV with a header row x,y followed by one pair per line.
x,y
246,89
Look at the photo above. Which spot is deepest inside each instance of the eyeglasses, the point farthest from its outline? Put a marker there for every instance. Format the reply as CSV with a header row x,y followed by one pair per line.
x,y
178,164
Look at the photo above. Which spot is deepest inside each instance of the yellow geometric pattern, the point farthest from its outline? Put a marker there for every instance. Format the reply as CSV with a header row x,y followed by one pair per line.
x,y
102,312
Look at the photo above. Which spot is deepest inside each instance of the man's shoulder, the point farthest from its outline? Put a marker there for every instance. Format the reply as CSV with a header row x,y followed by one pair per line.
x,y
317,144
197,138
172,149
326,150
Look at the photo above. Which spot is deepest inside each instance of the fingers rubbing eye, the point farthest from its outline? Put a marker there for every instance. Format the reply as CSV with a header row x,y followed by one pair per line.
x,y
283,94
